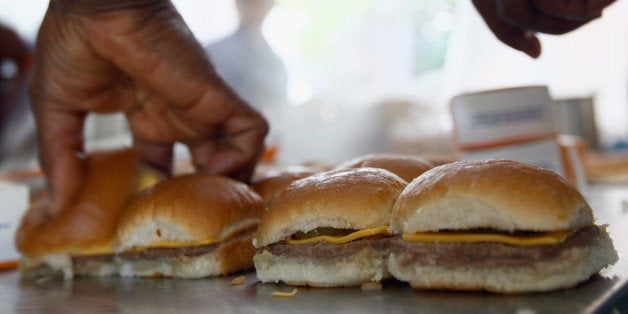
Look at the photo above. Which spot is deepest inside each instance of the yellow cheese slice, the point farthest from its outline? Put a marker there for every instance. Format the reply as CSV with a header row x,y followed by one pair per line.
x,y
146,179
543,238
342,239
284,294
174,244
97,250
106,248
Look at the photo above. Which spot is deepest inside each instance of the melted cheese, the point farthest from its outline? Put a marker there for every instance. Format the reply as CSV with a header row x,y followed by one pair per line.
x,y
97,250
342,239
106,248
174,244
543,238
146,179
284,294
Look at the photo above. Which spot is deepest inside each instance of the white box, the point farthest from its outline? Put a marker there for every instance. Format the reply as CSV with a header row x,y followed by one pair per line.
x,y
501,117
14,199
513,123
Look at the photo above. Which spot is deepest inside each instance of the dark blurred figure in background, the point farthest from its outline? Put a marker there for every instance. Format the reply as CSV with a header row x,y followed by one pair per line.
x,y
515,22
18,148
246,61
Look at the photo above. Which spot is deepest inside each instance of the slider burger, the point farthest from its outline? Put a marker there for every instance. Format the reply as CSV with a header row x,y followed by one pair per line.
x,y
328,229
190,226
495,225
407,167
64,245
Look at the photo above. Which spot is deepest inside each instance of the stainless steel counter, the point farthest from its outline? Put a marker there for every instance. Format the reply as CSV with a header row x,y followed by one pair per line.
x,y
604,293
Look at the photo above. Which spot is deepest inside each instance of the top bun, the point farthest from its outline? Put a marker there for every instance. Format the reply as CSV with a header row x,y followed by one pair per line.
x,y
111,179
496,194
188,208
358,198
407,167
274,182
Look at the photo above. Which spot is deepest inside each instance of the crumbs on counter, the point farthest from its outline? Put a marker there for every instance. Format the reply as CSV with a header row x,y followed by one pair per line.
x,y
284,294
238,281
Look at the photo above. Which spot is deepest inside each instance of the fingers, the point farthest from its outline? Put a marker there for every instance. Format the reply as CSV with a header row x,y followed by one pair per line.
x,y
512,21
158,155
521,14
154,47
61,152
236,152
511,35
580,10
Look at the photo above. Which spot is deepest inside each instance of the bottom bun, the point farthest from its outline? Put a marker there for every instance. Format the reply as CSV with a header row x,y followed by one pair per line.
x,y
581,263
366,265
49,266
98,268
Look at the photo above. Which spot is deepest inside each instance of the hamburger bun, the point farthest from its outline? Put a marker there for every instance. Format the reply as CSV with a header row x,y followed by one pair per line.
x,y
496,194
475,199
439,160
47,243
274,182
342,201
407,167
164,229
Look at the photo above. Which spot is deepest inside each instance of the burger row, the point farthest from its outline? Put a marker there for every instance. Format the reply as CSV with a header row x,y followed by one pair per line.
x,y
493,225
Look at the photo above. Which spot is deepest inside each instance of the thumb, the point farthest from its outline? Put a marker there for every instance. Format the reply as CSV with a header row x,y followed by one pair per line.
x,y
61,152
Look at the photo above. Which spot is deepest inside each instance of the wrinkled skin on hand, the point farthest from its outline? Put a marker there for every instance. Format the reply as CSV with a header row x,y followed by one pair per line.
x,y
514,22
140,58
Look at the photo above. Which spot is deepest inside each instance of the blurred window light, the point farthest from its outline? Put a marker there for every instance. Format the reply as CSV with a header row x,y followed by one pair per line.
x,y
443,22
328,111
339,45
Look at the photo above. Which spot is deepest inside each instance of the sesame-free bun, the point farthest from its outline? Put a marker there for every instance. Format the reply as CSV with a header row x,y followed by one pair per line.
x,y
188,208
274,182
407,167
495,194
357,199
111,179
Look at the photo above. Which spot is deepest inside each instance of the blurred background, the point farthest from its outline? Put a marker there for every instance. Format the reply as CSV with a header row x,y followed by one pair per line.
x,y
339,79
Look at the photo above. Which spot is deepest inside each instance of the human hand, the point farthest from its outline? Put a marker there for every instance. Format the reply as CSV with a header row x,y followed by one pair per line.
x,y
137,57
514,22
